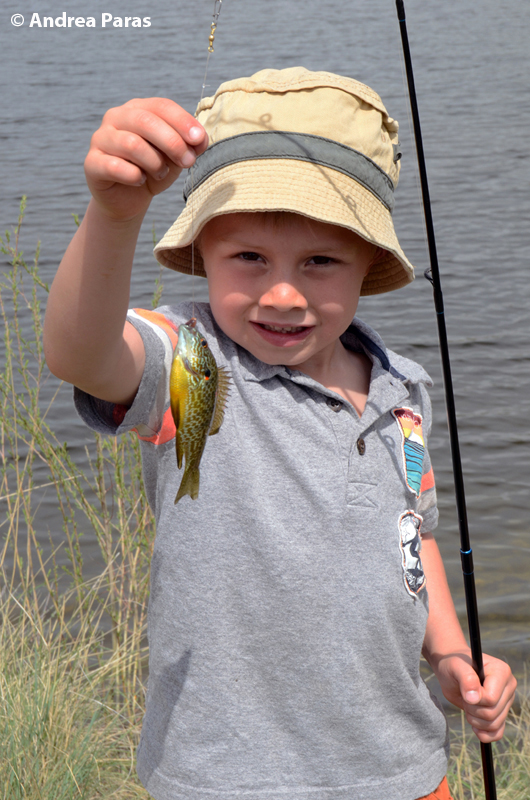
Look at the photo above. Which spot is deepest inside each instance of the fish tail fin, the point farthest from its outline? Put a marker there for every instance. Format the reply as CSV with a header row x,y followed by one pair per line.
x,y
189,484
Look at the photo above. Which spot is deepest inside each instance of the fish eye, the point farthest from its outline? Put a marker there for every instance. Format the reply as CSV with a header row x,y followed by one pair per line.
x,y
204,343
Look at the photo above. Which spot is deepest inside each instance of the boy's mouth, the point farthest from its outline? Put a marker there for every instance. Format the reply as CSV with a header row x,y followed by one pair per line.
x,y
282,335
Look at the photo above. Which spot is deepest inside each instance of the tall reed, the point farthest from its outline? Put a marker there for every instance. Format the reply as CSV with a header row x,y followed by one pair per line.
x,y
73,648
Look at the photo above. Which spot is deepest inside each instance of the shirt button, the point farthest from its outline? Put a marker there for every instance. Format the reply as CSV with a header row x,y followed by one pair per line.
x,y
361,446
335,404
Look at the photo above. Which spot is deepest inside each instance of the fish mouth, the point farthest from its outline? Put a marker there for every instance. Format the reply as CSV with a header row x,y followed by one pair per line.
x,y
282,335
185,343
186,332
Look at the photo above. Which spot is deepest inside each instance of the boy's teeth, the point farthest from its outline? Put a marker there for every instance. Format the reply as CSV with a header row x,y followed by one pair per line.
x,y
277,329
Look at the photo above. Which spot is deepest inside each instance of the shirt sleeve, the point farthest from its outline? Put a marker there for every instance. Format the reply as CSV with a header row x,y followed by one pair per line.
x,y
427,504
149,415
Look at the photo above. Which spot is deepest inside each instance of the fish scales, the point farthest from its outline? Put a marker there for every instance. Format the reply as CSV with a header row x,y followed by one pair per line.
x,y
198,391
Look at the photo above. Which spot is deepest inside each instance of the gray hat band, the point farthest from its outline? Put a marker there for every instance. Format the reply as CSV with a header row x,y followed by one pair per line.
x,y
296,146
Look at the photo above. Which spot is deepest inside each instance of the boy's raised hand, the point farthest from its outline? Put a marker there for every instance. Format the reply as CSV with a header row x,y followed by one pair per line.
x,y
138,151
486,707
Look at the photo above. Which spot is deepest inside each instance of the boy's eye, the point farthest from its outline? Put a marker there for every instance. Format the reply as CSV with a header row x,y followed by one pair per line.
x,y
321,260
249,256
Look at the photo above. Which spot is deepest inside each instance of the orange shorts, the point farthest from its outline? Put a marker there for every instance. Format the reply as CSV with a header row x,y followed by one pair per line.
x,y
441,793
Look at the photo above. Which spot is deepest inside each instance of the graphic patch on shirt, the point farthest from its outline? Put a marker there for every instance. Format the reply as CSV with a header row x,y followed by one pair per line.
x,y
413,446
410,544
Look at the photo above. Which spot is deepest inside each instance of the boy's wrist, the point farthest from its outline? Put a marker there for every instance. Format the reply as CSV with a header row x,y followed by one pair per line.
x,y
119,223
436,656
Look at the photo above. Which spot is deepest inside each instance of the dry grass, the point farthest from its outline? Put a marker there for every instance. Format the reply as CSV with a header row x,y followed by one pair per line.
x,y
73,652
511,759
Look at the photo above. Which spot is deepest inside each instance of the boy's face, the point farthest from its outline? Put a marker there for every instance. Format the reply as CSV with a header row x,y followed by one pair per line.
x,y
284,288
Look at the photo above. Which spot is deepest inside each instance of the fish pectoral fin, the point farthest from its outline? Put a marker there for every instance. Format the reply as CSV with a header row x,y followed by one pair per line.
x,y
180,450
189,484
221,395
175,411
189,368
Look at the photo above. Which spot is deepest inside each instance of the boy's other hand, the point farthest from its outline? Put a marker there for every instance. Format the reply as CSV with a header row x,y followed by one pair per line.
x,y
486,707
138,151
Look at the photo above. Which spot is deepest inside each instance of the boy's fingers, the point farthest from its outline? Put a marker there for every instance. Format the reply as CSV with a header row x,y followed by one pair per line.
x,y
492,700
487,717
486,707
469,684
189,128
104,170
491,713
132,148
135,133
489,720
488,730
145,141
198,138
499,681
177,134
489,736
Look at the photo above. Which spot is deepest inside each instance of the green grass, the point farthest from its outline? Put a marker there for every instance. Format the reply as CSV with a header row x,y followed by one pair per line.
x,y
72,649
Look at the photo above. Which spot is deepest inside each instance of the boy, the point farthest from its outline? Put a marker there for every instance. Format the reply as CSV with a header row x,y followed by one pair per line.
x,y
288,605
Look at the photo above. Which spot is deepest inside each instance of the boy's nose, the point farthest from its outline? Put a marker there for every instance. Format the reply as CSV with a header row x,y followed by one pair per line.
x,y
283,296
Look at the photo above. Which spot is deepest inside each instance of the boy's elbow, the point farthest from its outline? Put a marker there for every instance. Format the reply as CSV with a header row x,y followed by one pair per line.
x,y
63,357
50,355
57,367
53,352
62,350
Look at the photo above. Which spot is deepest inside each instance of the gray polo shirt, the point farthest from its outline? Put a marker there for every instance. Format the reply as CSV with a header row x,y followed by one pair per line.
x,y
288,604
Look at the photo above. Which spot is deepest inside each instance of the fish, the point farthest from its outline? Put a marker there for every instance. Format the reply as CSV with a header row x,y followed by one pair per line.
x,y
198,391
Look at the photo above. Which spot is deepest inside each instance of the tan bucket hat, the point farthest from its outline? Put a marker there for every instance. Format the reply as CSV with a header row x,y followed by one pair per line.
x,y
312,143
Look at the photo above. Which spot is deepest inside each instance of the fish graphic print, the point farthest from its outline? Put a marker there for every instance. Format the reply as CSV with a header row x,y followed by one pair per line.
x,y
413,446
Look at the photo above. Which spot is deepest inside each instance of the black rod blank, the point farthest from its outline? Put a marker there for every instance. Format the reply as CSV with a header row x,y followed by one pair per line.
x,y
466,553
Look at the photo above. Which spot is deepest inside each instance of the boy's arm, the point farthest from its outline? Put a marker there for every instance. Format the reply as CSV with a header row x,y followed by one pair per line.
x,y
87,341
449,655
138,151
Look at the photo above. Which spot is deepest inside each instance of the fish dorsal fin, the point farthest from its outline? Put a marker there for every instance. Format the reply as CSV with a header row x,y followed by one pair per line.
x,y
223,389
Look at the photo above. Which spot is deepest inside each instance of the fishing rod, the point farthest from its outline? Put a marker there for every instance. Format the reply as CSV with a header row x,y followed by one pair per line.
x,y
433,275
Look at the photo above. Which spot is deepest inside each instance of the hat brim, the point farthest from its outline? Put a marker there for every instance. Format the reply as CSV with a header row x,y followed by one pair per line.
x,y
315,191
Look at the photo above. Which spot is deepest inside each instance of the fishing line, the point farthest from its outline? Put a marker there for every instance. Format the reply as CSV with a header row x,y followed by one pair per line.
x,y
215,17
433,275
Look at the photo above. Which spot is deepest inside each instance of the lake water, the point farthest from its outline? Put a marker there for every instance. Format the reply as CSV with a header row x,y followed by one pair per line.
x,y
472,67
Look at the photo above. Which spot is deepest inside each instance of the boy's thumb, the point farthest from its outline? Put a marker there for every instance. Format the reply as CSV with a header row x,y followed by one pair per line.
x,y
470,687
